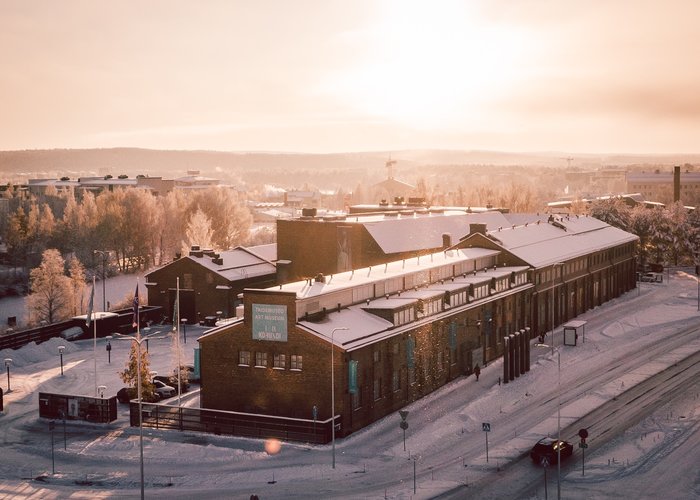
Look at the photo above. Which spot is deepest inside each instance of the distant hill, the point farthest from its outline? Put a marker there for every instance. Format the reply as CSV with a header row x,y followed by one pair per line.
x,y
133,161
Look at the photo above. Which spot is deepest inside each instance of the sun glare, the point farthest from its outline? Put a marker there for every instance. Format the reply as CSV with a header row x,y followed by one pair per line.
x,y
429,65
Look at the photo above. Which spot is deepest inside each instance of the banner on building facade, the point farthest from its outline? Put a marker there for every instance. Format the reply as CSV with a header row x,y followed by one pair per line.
x,y
270,322
352,377
410,344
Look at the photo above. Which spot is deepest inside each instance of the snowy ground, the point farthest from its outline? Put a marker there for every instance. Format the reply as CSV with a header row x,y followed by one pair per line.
x,y
444,435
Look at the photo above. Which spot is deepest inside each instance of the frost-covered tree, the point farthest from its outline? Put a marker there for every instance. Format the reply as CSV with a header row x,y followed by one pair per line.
x,y
76,272
612,211
198,232
677,219
50,289
641,223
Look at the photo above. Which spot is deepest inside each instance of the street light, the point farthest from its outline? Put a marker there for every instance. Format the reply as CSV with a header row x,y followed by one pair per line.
x,y
8,362
333,391
553,268
108,347
60,353
558,418
104,273
138,341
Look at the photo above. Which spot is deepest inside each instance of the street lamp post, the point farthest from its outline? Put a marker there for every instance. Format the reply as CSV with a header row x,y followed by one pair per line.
x,y
108,347
333,391
138,339
554,266
104,274
60,353
558,419
8,362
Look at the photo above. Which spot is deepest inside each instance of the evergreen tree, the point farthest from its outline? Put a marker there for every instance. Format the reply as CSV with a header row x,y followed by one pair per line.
x,y
130,373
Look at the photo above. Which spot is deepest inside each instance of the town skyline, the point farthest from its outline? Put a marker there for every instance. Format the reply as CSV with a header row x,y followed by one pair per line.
x,y
321,77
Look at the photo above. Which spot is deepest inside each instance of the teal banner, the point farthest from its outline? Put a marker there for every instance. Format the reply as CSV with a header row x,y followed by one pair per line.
x,y
352,377
410,345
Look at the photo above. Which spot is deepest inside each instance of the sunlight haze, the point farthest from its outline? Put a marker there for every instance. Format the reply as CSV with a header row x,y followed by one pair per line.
x,y
335,76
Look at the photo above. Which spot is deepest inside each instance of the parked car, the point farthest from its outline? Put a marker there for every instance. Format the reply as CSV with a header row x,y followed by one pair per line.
x,y
163,390
652,278
190,373
126,394
172,382
549,449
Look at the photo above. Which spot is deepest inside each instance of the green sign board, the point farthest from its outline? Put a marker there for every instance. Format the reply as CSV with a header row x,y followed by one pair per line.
x,y
270,322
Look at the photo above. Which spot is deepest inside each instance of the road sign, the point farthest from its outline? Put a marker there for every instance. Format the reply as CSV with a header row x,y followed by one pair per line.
x,y
544,461
486,427
403,425
583,433
583,445
403,413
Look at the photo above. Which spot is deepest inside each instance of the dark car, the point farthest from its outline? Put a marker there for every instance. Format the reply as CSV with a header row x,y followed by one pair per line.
x,y
126,394
549,449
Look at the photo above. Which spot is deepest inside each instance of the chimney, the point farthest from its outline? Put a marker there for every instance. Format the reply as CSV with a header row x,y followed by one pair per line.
x,y
477,228
446,240
676,183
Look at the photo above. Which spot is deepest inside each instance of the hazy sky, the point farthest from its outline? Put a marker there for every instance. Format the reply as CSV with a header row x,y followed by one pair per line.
x,y
588,76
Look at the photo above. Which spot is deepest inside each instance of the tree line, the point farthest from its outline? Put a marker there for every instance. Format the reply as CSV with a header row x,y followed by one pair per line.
x,y
667,235
126,229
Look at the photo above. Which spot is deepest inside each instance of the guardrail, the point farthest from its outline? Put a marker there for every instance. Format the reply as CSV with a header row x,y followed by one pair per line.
x,y
231,423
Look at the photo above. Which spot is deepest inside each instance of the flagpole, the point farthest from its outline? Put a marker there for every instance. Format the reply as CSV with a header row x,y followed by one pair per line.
x,y
177,344
94,338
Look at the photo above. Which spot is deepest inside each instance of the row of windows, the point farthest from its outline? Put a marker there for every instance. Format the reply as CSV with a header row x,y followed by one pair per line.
x,y
279,361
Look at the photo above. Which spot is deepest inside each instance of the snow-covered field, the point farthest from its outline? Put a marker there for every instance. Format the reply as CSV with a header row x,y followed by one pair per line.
x,y
658,455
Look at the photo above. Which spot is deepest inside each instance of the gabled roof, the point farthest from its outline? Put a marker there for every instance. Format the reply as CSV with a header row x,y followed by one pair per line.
x,y
237,264
561,239
409,234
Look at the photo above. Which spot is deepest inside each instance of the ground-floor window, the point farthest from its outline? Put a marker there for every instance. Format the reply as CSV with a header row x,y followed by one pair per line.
x,y
244,358
395,381
296,362
356,400
279,361
261,359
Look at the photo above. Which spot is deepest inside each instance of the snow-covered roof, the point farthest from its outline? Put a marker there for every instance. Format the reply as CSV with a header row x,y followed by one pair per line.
x,y
414,233
351,279
239,263
565,238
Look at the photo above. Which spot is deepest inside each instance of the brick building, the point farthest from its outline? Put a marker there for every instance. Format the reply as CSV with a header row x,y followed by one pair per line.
x,y
399,330
210,282
310,245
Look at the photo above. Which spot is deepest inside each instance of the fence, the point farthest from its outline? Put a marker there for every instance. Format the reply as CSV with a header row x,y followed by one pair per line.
x,y
120,323
231,423
71,407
